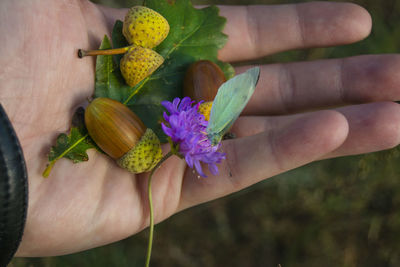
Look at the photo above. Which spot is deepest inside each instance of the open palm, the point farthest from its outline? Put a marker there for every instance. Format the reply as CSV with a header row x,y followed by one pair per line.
x,y
89,204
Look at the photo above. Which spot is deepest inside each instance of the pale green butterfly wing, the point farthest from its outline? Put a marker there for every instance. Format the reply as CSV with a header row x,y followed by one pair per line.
x,y
229,102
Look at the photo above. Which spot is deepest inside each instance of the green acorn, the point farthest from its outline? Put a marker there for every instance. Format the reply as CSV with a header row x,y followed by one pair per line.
x,y
122,135
144,27
136,64
139,63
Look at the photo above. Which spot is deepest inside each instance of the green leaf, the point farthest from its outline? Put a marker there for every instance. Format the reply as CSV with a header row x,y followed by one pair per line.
x,y
109,81
195,34
153,111
72,146
118,39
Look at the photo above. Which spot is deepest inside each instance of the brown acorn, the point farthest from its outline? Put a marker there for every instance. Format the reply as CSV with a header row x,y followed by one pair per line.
x,y
122,135
202,80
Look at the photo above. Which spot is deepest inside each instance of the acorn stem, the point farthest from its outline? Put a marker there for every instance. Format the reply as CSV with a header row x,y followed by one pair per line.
x,y
84,53
150,243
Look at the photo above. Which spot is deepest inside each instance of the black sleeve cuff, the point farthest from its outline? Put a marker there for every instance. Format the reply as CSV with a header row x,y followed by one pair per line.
x,y
13,190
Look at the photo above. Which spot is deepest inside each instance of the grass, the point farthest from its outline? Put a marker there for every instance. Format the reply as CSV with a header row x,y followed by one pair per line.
x,y
338,212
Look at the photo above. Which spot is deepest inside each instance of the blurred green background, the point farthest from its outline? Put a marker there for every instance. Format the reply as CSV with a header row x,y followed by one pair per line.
x,y
338,212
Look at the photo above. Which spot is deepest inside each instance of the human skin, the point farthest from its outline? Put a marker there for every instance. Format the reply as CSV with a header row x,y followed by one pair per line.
x,y
301,112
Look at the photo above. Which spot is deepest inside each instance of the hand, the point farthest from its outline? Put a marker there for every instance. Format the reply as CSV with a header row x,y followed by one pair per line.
x,y
90,204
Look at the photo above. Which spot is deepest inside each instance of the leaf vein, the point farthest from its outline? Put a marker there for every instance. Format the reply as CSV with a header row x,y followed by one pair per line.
x,y
185,38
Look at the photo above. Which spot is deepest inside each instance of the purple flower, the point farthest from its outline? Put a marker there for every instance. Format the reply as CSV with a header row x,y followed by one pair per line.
x,y
187,129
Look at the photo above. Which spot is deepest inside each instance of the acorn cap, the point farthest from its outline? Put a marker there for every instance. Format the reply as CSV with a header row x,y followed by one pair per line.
x,y
138,63
122,135
144,27
144,156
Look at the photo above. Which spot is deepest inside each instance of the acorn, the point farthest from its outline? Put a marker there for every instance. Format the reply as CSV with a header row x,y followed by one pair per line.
x,y
138,63
144,27
122,135
202,80
205,109
201,83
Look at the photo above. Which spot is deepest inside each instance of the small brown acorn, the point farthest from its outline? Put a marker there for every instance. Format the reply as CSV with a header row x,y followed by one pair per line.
x,y
202,80
122,135
139,63
144,27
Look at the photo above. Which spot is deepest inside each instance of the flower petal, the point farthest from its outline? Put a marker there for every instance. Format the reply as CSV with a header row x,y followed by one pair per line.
x,y
187,128
199,169
189,160
213,168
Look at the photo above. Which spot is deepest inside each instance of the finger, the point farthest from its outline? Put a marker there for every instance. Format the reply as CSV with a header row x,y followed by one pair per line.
x,y
256,31
254,158
294,87
372,127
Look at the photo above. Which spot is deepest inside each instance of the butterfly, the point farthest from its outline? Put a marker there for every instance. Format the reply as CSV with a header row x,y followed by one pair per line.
x,y
229,102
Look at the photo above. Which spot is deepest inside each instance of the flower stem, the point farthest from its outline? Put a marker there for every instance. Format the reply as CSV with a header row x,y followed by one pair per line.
x,y
83,53
150,243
